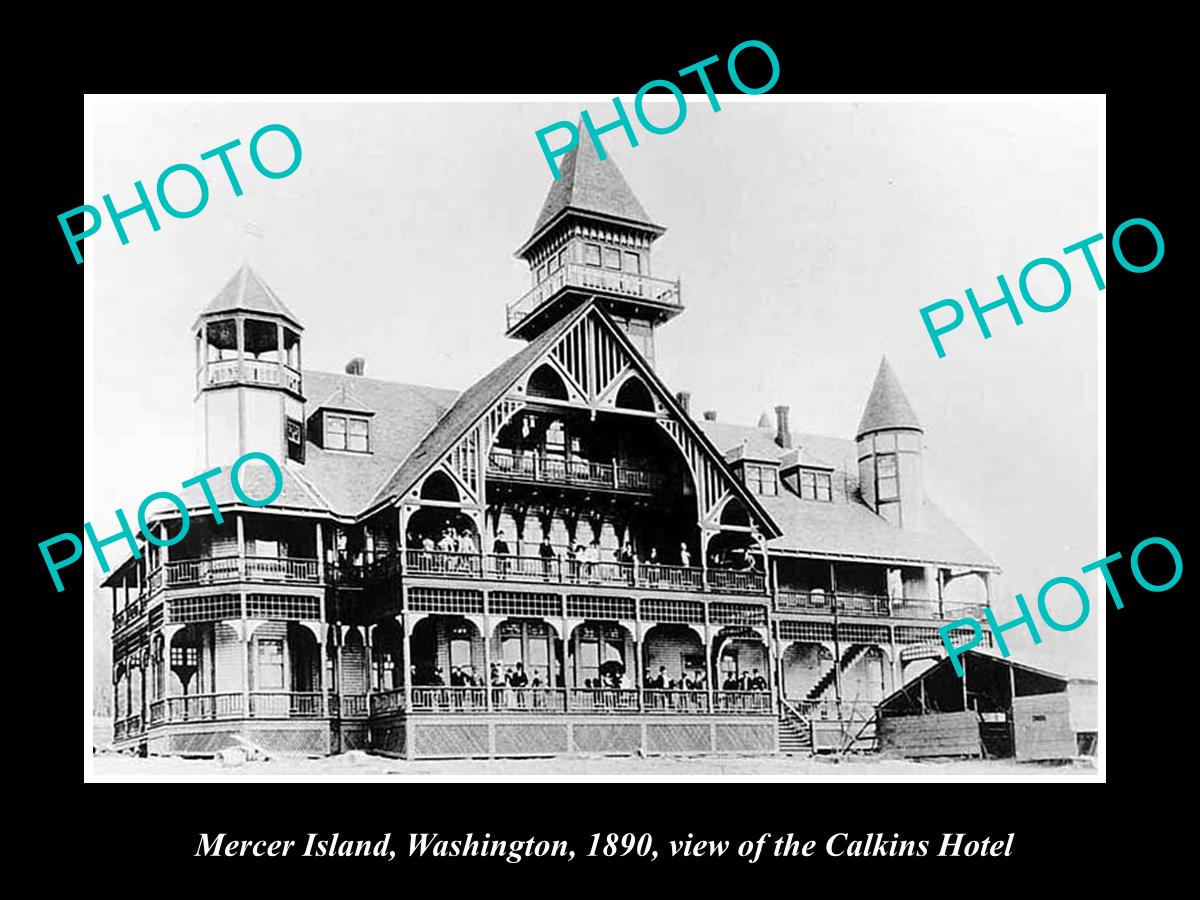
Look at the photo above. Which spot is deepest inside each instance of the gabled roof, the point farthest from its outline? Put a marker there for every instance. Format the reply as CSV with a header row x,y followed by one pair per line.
x,y
846,527
887,407
343,399
247,292
470,405
588,184
404,415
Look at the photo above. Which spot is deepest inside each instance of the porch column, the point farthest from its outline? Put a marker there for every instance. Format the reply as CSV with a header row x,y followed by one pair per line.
x,y
709,663
244,640
487,651
241,562
320,556
567,673
941,584
164,550
145,706
321,667
897,667
406,622
638,663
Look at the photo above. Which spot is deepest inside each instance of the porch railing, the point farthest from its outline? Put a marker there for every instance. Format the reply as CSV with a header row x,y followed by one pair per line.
x,y
285,704
604,699
253,371
742,702
875,605
504,567
449,699
353,706
529,699
828,709
130,726
674,701
196,708
593,278
222,569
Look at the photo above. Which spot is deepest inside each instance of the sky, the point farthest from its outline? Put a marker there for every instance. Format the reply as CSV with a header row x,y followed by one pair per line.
x,y
808,235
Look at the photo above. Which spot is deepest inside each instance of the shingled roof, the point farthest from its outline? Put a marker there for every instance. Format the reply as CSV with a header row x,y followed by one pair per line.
x,y
588,184
887,407
247,292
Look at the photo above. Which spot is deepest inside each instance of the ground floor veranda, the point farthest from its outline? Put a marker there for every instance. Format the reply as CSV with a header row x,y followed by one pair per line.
x,y
427,685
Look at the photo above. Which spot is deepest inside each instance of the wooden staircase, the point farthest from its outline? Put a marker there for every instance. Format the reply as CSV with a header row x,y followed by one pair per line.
x,y
852,655
795,731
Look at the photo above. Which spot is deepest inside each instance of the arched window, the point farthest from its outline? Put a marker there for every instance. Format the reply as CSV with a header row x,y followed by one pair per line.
x,y
735,514
634,395
438,486
544,382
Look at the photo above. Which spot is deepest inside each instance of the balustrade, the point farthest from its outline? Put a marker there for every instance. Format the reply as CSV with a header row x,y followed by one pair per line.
x,y
627,284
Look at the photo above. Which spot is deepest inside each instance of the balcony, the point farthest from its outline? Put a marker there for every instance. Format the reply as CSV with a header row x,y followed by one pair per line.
x,y
511,466
875,606
219,372
224,569
490,566
228,705
641,288
548,700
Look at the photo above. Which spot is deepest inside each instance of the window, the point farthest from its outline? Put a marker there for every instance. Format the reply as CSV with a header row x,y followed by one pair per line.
x,y
612,258
460,646
184,656
347,433
357,437
553,265
761,480
335,432
541,273
816,485
591,254
562,257
887,485
222,340
294,429
633,263
270,665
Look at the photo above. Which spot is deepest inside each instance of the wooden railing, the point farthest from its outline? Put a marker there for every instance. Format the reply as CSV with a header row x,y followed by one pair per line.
x,y
827,709
196,707
658,700
568,571
529,699
129,727
874,605
285,704
509,464
742,702
592,278
251,371
223,569
605,699
449,699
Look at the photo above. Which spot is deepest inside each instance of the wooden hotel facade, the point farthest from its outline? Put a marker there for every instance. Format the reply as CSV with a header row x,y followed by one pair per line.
x,y
559,559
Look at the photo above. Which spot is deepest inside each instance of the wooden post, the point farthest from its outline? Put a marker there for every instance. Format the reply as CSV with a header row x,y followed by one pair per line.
x,y
940,593
1012,705
568,677
922,696
241,543
966,708
244,637
837,645
639,664
407,623
487,651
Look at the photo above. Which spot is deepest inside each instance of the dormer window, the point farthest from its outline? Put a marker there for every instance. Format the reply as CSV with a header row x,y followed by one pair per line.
x,y
816,485
760,479
347,433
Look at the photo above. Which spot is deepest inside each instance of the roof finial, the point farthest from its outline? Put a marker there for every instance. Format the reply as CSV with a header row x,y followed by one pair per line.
x,y
251,241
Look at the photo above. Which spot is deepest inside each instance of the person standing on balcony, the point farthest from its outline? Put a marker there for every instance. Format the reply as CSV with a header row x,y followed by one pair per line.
x,y
685,556
500,551
546,552
427,549
573,553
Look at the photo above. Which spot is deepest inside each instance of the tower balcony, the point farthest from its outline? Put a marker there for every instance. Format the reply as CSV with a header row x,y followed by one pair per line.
x,y
221,372
640,296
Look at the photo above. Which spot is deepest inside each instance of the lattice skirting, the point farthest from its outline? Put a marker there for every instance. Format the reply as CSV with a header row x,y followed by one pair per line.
x,y
313,739
626,736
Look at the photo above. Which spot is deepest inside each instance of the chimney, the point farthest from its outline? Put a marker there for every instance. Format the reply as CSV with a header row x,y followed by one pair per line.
x,y
685,400
356,366
710,415
783,433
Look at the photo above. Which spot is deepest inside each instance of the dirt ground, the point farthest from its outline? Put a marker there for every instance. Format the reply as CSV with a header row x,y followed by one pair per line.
x,y
363,767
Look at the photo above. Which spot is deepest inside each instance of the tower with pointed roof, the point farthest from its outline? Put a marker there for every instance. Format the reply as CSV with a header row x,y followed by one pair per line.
x,y
890,445
249,390
593,239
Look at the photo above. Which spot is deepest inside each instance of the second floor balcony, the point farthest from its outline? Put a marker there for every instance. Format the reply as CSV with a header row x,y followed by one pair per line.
x,y
578,472
875,605
557,570
225,569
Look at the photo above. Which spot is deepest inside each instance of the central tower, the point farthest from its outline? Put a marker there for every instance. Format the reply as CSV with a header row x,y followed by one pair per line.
x,y
592,239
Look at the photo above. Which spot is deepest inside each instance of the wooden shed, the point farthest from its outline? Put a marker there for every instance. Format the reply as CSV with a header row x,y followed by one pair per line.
x,y
998,708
